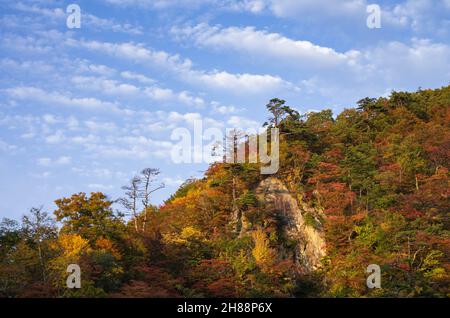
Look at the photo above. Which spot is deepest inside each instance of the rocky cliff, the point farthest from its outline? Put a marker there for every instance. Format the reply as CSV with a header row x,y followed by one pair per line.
x,y
300,222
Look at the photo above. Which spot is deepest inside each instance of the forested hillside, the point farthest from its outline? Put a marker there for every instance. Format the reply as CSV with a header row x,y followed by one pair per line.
x,y
372,183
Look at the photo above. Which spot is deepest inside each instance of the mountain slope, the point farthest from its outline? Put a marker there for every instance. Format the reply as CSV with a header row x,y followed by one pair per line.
x,y
369,186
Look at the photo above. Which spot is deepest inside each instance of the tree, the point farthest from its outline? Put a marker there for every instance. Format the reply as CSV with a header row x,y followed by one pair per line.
x,y
69,249
279,110
10,235
91,217
214,278
39,227
148,177
264,255
10,274
366,104
130,201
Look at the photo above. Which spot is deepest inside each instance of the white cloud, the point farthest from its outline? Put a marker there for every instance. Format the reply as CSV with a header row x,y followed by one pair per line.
x,y
186,98
72,122
240,84
28,67
88,19
416,14
165,94
419,15
371,70
50,119
243,123
297,8
55,138
99,186
253,6
383,68
422,63
46,162
259,43
136,53
175,118
281,8
188,117
39,95
224,110
236,83
100,126
108,24
133,147
64,160
159,94
85,140
160,4
25,44
6,147
42,175
54,13
139,77
113,87
102,173
106,86
172,182
101,69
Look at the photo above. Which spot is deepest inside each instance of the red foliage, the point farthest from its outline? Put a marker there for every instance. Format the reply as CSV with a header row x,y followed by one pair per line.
x,y
154,282
215,278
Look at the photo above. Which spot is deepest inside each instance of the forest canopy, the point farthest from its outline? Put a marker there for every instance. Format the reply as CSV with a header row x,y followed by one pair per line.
x,y
375,179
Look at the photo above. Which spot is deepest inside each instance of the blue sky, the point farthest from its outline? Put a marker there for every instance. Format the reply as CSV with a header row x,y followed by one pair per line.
x,y
85,109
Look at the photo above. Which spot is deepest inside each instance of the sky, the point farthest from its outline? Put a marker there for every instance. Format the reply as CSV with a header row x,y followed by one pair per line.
x,y
84,109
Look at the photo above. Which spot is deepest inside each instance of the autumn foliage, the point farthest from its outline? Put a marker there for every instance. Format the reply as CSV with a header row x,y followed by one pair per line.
x,y
377,176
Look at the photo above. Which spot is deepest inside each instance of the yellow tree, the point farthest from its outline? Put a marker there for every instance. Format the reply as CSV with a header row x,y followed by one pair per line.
x,y
70,248
264,255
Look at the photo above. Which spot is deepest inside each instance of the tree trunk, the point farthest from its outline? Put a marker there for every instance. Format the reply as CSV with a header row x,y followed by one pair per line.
x,y
135,213
235,207
136,223
41,260
367,200
144,222
146,202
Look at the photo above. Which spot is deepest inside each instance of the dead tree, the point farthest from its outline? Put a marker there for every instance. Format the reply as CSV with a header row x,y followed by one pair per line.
x,y
148,176
130,201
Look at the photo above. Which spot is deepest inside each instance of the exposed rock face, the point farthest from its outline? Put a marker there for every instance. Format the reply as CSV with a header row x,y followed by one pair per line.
x,y
310,239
